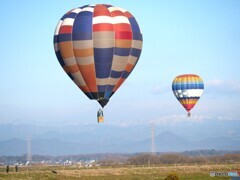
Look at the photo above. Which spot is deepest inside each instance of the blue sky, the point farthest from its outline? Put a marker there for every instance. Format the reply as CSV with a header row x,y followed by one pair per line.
x,y
180,36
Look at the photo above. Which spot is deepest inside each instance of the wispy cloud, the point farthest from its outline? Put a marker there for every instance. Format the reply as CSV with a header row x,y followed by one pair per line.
x,y
225,118
223,86
158,89
216,85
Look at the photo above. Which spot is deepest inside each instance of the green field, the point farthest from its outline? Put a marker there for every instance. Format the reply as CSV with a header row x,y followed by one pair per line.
x,y
195,172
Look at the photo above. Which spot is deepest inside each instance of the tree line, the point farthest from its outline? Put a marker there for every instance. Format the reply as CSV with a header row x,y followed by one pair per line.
x,y
177,158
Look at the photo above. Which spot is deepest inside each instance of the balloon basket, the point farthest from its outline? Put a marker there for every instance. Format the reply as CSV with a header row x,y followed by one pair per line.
x,y
100,119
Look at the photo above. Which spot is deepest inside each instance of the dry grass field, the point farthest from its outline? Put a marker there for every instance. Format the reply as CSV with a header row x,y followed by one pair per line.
x,y
184,172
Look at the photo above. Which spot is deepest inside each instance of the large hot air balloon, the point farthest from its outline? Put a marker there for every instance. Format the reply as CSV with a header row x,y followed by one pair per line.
x,y
98,46
188,88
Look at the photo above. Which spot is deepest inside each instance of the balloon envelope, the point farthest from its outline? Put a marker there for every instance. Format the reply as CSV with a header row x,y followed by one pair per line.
x,y
188,88
98,46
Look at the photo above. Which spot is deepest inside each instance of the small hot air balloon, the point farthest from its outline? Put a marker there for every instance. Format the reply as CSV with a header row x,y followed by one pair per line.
x,y
98,47
188,88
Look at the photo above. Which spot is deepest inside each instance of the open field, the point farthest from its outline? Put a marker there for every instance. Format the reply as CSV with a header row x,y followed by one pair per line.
x,y
195,172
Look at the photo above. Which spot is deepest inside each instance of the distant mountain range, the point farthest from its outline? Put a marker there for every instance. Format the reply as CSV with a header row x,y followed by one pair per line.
x,y
103,138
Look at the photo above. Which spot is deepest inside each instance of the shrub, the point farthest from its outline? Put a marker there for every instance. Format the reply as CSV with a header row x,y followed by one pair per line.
x,y
172,176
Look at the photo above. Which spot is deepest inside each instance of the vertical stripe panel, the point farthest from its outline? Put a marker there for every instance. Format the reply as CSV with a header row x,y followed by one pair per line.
x,y
82,32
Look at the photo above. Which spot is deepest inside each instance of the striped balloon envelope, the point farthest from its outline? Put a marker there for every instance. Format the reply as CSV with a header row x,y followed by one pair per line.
x,y
188,88
98,47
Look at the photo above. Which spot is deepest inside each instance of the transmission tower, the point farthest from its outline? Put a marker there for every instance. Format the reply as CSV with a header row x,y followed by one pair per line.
x,y
153,147
29,150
